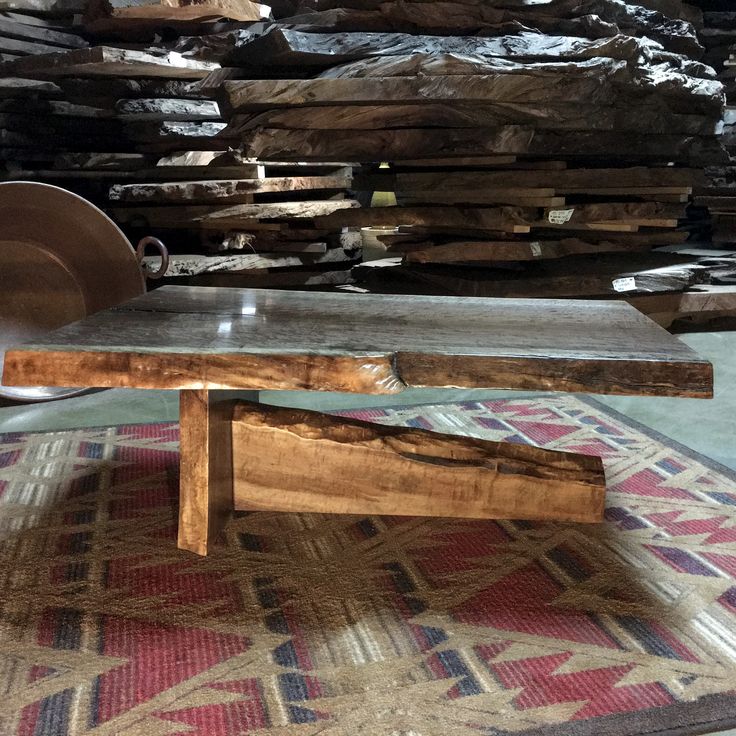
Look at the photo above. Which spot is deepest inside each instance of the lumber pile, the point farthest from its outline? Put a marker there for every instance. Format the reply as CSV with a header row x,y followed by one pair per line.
x,y
718,192
85,104
32,27
550,148
533,148
131,129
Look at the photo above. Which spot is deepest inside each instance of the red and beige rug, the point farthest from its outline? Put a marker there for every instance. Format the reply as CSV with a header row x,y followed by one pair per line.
x,y
311,625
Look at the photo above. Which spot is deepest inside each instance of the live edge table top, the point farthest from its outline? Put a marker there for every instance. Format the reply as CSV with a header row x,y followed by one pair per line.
x,y
180,337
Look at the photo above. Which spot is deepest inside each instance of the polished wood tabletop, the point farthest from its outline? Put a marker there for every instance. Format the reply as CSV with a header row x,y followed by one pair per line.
x,y
179,337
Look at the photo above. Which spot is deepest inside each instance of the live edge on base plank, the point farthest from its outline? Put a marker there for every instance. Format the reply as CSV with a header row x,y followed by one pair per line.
x,y
244,456
295,460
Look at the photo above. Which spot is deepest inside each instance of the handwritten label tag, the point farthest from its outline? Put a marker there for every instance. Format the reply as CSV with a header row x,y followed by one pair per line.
x,y
560,217
626,284
536,249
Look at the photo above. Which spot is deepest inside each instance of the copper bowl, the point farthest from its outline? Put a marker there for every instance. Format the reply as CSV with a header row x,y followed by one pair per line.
x,y
61,259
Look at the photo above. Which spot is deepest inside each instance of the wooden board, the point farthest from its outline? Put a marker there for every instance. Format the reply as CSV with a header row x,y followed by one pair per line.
x,y
185,134
302,461
171,109
565,180
19,47
45,7
38,34
108,62
294,48
260,93
415,143
458,17
182,11
700,303
14,87
650,117
222,191
189,337
206,469
415,239
271,279
219,218
508,219
603,275
192,265
117,88
499,251
42,108
474,162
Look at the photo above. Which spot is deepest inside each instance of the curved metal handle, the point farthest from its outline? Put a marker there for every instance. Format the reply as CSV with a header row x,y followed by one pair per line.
x,y
162,251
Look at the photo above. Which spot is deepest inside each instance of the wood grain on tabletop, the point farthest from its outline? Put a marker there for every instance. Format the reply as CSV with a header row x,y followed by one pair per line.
x,y
195,337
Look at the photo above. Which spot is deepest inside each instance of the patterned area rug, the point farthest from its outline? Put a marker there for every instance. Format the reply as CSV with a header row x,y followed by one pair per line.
x,y
311,625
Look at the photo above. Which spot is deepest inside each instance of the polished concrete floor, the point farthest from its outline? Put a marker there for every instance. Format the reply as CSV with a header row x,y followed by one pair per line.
x,y
708,427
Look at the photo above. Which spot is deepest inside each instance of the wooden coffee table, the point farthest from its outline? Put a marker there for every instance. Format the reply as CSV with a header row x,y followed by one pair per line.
x,y
247,456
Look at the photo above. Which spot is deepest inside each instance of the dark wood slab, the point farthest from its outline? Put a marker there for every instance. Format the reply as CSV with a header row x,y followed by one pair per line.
x,y
107,61
290,48
274,144
194,338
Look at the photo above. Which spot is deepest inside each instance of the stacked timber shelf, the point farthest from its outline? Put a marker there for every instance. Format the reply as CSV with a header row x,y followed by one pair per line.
x,y
534,149
38,27
545,149
718,192
122,120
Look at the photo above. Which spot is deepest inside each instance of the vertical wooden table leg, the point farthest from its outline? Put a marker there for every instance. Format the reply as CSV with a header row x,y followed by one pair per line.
x,y
206,468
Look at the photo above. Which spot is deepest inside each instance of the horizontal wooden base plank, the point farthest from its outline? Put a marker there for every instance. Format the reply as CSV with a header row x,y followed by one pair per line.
x,y
291,460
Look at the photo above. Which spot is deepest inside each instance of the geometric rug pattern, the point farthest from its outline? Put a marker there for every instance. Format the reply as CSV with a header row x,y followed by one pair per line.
x,y
329,625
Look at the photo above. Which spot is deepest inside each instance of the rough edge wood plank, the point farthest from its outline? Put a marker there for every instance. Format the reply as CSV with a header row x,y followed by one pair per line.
x,y
255,94
214,218
107,61
293,460
386,373
193,265
490,251
24,48
702,300
220,191
639,358
507,219
15,87
562,180
14,29
364,374
414,143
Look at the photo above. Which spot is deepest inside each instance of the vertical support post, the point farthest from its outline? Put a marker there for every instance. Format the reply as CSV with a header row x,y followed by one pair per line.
x,y
206,468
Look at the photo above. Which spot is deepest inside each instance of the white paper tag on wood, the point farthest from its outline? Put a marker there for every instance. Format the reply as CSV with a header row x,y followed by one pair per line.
x,y
536,249
560,217
627,283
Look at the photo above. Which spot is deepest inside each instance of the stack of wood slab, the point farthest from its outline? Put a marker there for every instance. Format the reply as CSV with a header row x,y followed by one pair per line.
x,y
67,103
541,149
30,27
132,130
718,192
266,212
109,101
